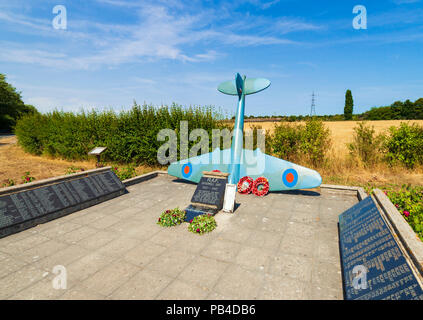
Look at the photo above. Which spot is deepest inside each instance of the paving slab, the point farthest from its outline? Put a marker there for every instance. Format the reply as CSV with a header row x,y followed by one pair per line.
x,y
283,246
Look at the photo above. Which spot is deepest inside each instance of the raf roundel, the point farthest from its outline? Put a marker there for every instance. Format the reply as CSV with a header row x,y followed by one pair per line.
x,y
290,178
187,170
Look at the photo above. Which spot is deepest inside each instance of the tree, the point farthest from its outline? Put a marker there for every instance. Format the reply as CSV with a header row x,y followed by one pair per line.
x,y
349,104
11,105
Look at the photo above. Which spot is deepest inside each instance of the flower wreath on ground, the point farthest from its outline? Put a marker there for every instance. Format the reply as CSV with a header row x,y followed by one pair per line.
x,y
170,218
202,224
261,187
245,185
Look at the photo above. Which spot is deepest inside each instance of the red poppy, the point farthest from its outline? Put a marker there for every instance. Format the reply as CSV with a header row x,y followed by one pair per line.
x,y
406,213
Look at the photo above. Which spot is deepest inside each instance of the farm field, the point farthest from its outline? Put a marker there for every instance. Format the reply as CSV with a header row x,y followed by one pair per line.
x,y
341,131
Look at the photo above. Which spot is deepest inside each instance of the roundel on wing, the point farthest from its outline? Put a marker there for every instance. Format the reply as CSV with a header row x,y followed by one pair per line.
x,y
290,178
187,170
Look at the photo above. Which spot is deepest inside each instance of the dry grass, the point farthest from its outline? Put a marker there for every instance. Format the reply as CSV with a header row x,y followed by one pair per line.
x,y
345,171
14,162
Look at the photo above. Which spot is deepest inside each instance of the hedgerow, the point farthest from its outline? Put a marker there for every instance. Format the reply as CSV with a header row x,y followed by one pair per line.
x,y
130,136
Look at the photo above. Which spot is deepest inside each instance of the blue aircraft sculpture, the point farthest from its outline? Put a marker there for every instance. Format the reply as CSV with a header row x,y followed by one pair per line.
x,y
239,162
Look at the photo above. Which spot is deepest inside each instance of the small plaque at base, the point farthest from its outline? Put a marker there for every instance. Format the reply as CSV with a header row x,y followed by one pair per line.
x,y
194,211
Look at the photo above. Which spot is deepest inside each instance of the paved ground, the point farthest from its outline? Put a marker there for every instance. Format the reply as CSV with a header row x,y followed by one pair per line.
x,y
284,246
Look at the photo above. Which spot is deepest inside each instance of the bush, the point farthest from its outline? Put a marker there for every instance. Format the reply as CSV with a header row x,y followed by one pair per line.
x,y
366,146
26,178
309,143
124,173
171,218
130,136
405,145
315,142
409,202
9,183
202,224
286,141
267,139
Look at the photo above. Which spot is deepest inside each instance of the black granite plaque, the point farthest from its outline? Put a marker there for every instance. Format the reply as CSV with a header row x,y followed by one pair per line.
x,y
29,205
210,191
365,240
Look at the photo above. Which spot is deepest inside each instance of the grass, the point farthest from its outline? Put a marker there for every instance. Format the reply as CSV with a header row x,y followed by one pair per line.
x,y
14,162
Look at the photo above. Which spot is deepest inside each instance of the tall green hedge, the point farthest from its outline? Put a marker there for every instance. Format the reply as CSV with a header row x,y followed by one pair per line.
x,y
130,136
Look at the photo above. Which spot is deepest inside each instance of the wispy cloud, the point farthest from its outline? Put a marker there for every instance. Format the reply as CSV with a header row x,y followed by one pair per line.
x,y
159,33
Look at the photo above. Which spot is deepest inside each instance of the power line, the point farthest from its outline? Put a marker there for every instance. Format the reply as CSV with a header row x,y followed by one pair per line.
x,y
313,105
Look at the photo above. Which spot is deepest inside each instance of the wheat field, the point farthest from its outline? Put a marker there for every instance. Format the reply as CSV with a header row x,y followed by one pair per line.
x,y
342,131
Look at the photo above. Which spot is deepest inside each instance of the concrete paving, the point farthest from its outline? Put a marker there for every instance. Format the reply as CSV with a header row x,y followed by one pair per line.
x,y
283,246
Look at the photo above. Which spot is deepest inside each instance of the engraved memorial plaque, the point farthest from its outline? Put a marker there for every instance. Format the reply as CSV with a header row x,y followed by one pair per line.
x,y
210,192
374,267
28,205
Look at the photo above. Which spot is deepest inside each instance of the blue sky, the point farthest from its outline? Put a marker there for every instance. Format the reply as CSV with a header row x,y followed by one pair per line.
x,y
159,52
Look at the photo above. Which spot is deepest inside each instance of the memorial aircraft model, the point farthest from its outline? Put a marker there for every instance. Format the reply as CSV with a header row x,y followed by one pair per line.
x,y
250,170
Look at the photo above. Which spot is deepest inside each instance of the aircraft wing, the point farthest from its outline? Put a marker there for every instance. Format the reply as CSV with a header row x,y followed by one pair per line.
x,y
281,174
192,169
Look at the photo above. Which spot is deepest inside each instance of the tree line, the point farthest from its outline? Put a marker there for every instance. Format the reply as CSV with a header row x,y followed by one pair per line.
x,y
399,110
11,106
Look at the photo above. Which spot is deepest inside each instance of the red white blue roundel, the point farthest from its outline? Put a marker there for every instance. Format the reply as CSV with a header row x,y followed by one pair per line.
x,y
290,178
186,170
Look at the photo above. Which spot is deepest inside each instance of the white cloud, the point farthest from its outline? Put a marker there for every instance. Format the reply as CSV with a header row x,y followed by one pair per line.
x,y
160,33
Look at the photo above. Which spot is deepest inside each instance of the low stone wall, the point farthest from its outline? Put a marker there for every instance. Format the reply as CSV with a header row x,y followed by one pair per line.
x,y
142,178
358,191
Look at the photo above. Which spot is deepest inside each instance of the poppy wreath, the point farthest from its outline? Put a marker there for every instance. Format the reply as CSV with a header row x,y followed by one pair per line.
x,y
260,187
245,185
216,171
